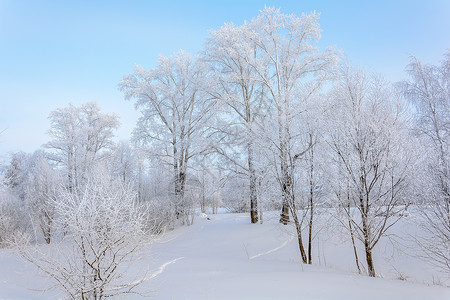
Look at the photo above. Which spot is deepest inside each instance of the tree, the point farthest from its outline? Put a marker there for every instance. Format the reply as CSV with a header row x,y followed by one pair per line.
x,y
79,136
371,155
210,184
310,172
429,91
174,111
43,185
228,51
104,229
292,70
13,216
16,172
125,163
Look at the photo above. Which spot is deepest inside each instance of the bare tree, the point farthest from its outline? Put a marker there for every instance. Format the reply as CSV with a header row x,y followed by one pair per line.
x,y
174,111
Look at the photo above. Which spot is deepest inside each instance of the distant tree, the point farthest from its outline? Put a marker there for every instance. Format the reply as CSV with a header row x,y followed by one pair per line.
x,y
13,217
174,111
210,184
16,172
79,136
368,139
43,186
125,163
25,181
428,89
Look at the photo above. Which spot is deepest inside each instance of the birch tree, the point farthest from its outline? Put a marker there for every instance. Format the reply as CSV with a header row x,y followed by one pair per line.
x,y
228,51
174,110
369,141
428,89
292,70
310,169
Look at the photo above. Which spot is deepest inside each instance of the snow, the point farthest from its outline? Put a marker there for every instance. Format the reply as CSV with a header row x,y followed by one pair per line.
x,y
226,257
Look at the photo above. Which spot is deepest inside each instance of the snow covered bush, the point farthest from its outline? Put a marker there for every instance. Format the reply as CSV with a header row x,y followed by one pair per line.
x,y
101,229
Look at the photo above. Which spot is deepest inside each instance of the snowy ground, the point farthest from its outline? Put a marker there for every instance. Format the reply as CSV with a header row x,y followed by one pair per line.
x,y
228,258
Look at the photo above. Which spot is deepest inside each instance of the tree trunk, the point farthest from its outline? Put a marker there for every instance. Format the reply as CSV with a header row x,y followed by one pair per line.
x,y
70,179
46,227
284,169
369,259
285,190
298,227
253,191
179,194
260,214
284,216
311,203
366,232
310,231
352,235
203,202
354,246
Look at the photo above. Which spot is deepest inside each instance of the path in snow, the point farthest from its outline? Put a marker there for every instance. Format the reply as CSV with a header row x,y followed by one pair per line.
x,y
226,258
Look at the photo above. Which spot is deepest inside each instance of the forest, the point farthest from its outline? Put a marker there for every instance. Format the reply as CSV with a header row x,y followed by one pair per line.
x,y
264,121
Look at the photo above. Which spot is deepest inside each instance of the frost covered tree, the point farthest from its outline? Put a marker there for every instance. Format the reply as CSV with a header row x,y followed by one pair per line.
x,y
104,229
125,163
311,169
428,89
368,139
210,184
238,88
13,216
43,185
16,172
174,110
292,69
79,136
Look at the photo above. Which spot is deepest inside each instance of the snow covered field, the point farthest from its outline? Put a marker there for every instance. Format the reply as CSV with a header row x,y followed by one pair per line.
x,y
228,258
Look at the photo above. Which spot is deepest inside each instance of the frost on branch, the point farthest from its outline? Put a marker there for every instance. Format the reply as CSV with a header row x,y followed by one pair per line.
x,y
101,230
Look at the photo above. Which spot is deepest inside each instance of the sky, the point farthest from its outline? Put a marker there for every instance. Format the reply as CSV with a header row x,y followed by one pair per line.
x,y
53,53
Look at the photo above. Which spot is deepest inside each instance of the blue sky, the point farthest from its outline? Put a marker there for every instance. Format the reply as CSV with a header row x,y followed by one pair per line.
x,y
53,53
